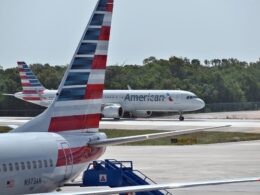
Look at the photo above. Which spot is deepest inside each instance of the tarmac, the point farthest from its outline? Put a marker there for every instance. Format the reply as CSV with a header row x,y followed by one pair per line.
x,y
170,164
250,126
167,124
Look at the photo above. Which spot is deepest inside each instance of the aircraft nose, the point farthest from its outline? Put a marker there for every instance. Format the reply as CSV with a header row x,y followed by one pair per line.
x,y
201,103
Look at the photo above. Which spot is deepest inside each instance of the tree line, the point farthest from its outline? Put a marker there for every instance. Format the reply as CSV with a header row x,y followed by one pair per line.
x,y
215,81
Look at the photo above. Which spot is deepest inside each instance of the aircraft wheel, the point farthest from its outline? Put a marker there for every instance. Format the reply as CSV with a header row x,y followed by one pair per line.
x,y
181,118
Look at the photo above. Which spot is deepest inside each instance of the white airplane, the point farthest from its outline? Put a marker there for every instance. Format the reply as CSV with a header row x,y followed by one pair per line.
x,y
139,103
56,146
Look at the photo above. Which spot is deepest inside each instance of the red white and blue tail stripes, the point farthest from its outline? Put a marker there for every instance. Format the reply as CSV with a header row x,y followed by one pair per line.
x,y
78,104
32,88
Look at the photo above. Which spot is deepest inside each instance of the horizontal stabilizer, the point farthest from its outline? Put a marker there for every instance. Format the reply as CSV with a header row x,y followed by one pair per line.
x,y
136,138
12,126
7,94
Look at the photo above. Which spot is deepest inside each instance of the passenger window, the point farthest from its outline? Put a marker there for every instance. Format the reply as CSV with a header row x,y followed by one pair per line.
x,y
22,165
16,166
4,167
45,163
10,167
51,163
39,164
28,165
34,164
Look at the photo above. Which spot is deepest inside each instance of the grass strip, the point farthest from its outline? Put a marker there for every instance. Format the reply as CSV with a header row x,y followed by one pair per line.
x,y
4,129
204,137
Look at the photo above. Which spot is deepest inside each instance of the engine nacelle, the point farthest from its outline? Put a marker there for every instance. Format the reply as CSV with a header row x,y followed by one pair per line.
x,y
142,114
113,111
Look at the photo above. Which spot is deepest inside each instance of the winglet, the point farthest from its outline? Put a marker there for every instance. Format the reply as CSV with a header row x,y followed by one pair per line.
x,y
7,94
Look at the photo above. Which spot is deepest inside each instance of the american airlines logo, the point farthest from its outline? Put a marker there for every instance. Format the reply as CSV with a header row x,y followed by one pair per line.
x,y
149,97
169,97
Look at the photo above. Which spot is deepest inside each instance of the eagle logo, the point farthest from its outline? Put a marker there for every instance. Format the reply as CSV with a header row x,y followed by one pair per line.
x,y
169,97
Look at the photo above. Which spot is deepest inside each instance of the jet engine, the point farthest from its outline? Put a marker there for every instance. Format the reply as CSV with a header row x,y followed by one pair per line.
x,y
113,111
142,114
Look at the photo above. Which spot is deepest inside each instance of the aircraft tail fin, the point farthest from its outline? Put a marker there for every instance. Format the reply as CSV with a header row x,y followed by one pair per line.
x,y
77,105
32,88
129,87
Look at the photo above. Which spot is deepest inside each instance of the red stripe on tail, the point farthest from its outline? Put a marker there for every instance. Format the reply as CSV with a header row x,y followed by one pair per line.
x,y
109,7
24,77
32,92
21,70
26,84
31,98
77,122
94,91
99,62
104,33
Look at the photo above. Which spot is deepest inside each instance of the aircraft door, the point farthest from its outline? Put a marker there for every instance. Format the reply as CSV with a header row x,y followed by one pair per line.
x,y
177,104
178,98
68,159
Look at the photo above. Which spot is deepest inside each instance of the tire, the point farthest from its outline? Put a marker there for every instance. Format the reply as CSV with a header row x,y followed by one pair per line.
x,y
181,118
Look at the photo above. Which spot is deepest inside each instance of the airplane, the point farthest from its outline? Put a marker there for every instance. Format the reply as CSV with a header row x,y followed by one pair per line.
x,y
139,103
57,145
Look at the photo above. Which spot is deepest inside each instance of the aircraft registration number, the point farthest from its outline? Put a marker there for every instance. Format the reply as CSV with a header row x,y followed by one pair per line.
x,y
32,181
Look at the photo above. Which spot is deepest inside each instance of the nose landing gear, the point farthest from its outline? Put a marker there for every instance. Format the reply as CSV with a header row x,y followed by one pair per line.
x,y
181,117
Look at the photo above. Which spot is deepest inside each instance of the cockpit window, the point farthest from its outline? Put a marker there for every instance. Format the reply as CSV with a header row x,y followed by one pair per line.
x,y
191,97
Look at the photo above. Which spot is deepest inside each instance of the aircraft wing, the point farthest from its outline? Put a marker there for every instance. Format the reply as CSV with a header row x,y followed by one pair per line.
x,y
7,94
136,138
13,122
146,188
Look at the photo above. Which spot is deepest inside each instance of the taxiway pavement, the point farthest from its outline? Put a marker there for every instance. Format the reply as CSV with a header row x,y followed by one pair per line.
x,y
238,125
171,124
166,164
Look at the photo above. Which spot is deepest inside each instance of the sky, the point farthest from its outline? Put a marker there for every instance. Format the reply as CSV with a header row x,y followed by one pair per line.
x,y
48,31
